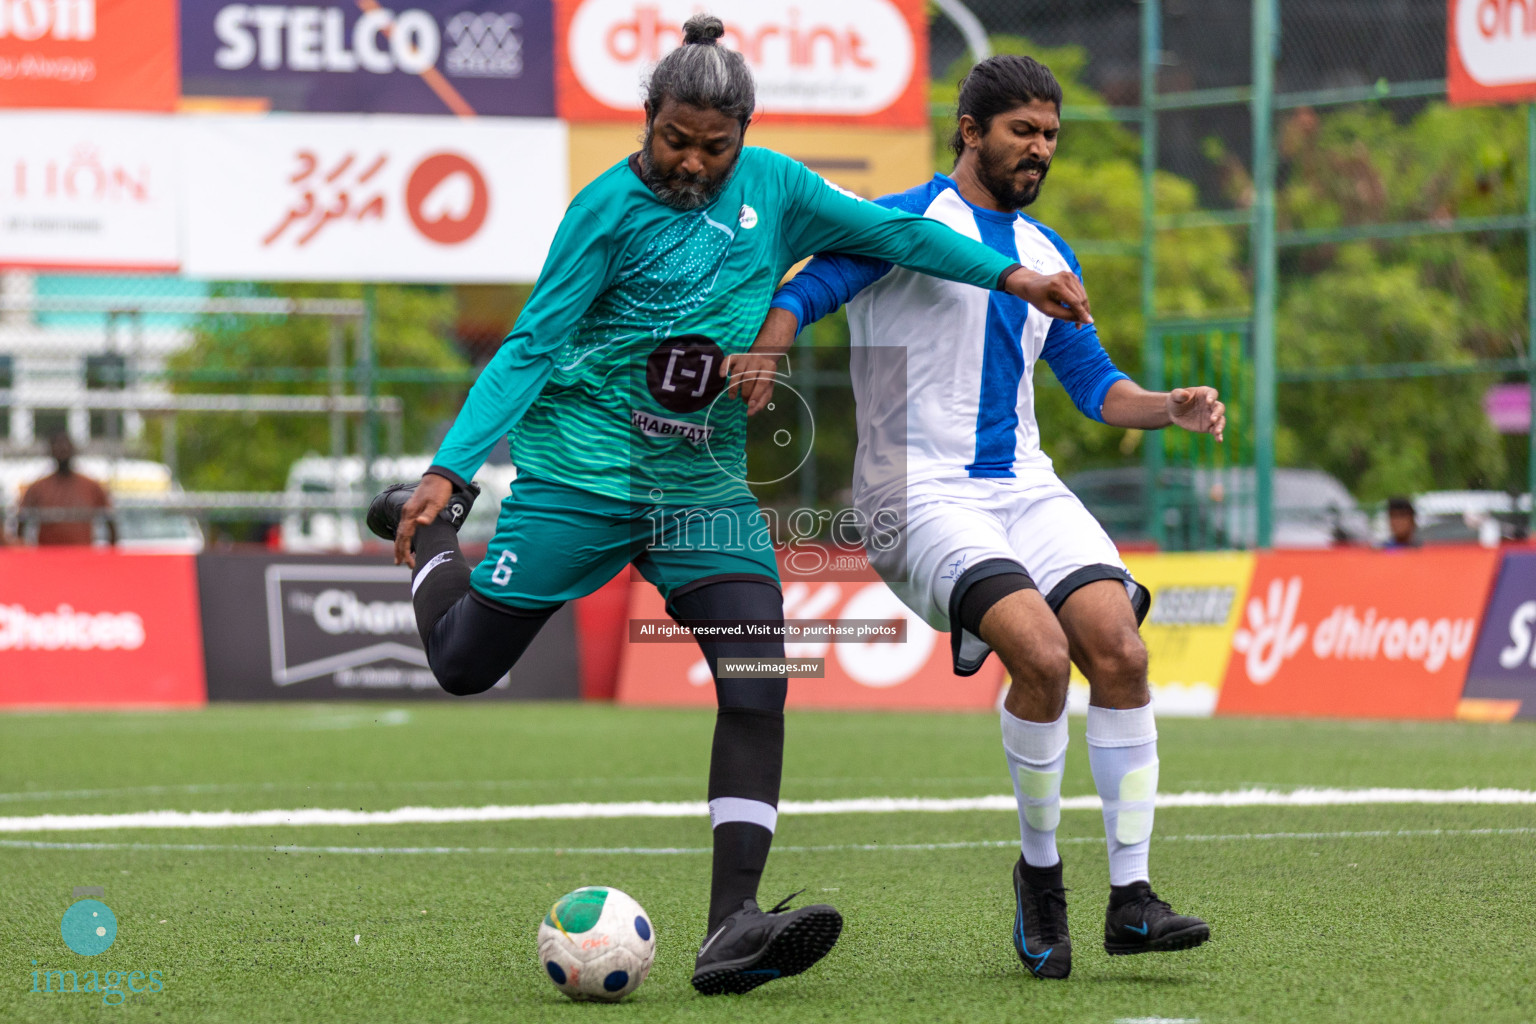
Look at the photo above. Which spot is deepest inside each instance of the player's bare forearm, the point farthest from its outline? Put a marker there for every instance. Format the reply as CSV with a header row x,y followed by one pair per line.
x,y
1197,409
751,373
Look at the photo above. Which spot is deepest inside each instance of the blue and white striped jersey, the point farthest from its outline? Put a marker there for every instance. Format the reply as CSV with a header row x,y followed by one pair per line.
x,y
943,373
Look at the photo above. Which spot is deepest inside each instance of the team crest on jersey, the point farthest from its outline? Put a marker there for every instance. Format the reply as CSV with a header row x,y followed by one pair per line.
x,y
748,218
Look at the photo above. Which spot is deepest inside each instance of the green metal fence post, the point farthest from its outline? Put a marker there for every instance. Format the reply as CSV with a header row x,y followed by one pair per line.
x,y
1530,298
367,387
1152,344
1263,246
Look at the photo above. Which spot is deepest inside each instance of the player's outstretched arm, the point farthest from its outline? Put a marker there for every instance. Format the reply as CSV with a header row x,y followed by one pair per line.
x,y
1199,409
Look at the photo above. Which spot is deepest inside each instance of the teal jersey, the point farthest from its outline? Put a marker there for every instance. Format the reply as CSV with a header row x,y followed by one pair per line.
x,y
609,381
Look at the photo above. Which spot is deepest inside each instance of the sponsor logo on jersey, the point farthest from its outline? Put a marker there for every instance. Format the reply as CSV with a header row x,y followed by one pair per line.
x,y
683,373
748,219
656,426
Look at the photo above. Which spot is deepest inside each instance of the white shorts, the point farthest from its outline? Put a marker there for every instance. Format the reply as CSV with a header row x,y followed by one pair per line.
x,y
958,531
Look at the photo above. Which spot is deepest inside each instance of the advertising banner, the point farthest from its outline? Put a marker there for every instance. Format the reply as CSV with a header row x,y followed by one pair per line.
x,y
1490,51
855,61
373,198
88,191
1359,634
1197,602
314,628
460,57
870,162
80,626
915,672
102,54
1501,683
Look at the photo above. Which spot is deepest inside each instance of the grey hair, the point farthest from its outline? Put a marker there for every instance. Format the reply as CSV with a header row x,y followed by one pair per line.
x,y
703,74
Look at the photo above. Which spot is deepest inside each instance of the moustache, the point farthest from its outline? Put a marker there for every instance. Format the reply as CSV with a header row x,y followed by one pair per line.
x,y
1033,165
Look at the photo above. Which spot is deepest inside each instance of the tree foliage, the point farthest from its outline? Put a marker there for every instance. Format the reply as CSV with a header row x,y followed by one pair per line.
x,y
412,328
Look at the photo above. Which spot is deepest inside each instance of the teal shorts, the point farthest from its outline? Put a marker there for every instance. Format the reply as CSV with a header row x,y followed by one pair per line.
x,y
555,542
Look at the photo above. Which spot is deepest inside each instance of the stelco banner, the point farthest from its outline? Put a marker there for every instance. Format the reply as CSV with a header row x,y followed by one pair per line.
x,y
461,57
297,627
1501,684
915,672
105,54
850,61
83,626
88,191
1490,51
1358,634
382,198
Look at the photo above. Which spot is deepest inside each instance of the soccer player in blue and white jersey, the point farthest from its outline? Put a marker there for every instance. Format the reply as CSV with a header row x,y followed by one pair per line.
x,y
971,527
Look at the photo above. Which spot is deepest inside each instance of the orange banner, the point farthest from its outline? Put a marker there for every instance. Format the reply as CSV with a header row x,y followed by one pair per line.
x,y
98,54
914,673
1358,634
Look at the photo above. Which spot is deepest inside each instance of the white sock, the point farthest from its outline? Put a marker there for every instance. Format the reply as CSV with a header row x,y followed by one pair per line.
x,y
1036,753
1122,751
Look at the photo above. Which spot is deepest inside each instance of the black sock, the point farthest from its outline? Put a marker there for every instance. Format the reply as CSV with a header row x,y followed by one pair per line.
x,y
441,576
745,764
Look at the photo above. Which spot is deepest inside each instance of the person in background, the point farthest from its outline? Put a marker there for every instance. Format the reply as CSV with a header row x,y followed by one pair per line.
x,y
66,490
1402,524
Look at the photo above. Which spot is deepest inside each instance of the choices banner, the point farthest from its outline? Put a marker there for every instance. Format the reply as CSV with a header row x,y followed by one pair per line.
x,y
461,57
102,54
295,627
1501,684
1358,634
852,61
913,672
81,626
372,198
88,191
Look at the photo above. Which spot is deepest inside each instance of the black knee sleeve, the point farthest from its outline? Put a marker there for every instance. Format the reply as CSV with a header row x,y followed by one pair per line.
x,y
754,600
473,643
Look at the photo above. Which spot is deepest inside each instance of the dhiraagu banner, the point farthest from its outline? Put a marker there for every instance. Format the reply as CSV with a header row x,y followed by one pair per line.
x,y
1197,599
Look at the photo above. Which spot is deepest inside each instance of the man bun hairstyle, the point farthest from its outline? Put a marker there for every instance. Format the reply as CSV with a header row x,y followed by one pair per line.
x,y
703,74
999,84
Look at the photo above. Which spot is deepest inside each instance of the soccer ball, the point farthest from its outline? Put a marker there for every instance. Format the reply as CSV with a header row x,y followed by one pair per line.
x,y
597,943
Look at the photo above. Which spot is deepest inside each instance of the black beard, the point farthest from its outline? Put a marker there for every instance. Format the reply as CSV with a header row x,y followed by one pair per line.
x,y
998,180
678,190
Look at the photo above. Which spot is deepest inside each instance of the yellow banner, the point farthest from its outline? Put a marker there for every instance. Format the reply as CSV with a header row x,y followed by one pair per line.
x,y
1197,603
868,161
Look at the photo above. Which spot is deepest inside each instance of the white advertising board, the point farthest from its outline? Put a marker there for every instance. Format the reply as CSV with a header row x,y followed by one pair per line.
x,y
86,191
291,197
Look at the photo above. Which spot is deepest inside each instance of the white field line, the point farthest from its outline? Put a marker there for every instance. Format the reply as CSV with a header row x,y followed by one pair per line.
x,y
692,809
673,851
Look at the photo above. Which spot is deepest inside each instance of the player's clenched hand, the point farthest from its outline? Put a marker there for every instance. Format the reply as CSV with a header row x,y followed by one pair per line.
x,y
1060,295
752,373
1198,410
429,498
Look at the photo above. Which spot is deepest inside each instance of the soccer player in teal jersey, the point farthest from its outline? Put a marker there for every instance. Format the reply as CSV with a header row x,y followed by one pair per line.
x,y
661,269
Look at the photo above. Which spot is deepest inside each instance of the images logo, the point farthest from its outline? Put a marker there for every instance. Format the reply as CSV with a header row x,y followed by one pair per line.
x,y
89,927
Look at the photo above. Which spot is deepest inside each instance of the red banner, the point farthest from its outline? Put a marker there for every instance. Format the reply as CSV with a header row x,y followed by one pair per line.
x,y
101,54
1490,51
89,627
914,673
855,61
1358,634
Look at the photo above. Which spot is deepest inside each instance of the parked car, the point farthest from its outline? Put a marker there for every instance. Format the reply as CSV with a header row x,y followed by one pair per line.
x,y
1213,508
325,531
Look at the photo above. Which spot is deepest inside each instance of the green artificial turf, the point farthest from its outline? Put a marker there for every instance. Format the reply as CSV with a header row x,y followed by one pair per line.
x,y
1325,926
